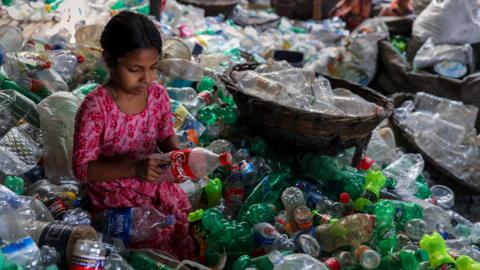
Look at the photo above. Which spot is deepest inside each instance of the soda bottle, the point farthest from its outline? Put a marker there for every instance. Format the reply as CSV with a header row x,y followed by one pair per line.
x,y
303,217
6,83
264,235
88,254
260,212
466,263
281,220
234,192
228,114
248,172
198,103
438,255
341,260
326,206
368,258
206,84
209,115
193,164
385,231
347,203
214,191
292,198
406,211
132,225
374,181
308,244
183,94
295,262
180,72
320,219
352,230
116,262
416,228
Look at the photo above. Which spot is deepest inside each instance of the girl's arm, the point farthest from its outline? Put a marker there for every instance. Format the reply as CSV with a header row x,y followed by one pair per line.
x,y
150,169
169,144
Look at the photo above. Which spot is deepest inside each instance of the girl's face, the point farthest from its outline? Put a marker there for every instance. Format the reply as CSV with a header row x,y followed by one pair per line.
x,y
136,71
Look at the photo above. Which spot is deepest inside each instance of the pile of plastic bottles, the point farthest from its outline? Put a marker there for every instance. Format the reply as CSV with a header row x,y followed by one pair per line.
x,y
253,206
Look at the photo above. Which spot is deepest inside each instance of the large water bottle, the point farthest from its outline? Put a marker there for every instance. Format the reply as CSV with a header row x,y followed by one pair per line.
x,y
132,225
11,40
19,149
295,262
57,118
183,94
17,246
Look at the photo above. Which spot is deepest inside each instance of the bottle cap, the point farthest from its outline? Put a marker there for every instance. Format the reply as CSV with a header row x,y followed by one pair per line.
x,y
344,197
333,264
206,97
226,159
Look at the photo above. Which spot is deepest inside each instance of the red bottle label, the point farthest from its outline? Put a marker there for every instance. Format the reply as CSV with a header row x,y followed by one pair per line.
x,y
180,169
91,262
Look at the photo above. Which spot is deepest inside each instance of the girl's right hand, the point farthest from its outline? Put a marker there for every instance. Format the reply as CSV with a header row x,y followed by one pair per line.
x,y
151,169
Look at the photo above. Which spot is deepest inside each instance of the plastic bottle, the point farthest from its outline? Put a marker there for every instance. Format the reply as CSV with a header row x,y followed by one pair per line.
x,y
234,192
11,40
385,231
214,191
15,184
347,203
374,181
209,115
406,170
352,230
132,225
88,254
326,206
303,217
406,211
442,196
206,84
292,198
77,216
19,150
295,262
65,64
116,262
466,263
416,228
183,94
368,258
260,212
249,173
199,102
112,245
308,244
16,245
437,251
193,164
180,72
341,260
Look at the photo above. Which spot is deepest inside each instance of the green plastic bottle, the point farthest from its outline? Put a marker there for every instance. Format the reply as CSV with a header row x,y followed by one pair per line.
x,y
261,212
141,261
242,263
438,255
15,184
206,84
374,182
209,115
195,215
409,260
385,232
466,263
84,90
228,114
214,191
6,83
406,211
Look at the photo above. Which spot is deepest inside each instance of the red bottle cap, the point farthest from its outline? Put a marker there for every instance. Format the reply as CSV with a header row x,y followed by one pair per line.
x,y
344,197
332,263
226,159
206,97
80,59
365,164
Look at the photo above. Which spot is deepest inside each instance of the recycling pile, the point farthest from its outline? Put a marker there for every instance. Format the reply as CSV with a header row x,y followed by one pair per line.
x,y
262,210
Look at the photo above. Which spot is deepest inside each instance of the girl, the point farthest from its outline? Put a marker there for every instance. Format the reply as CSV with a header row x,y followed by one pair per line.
x,y
353,12
121,123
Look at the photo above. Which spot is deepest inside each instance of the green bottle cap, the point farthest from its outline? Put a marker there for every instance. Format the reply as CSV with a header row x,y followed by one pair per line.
x,y
374,182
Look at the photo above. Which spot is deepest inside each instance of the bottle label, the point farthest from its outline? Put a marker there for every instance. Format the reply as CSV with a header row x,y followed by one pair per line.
x,y
119,221
180,169
179,114
56,207
313,199
265,234
18,248
57,235
87,262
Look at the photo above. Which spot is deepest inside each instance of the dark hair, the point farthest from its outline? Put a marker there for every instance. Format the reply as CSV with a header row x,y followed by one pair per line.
x,y
128,31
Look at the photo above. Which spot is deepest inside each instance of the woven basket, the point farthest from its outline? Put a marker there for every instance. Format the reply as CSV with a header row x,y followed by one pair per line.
x,y
303,130
224,7
441,174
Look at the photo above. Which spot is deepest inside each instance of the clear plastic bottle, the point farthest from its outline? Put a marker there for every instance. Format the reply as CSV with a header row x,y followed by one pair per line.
x,y
357,227
112,245
182,94
65,64
295,262
220,146
326,206
406,170
308,244
442,196
175,68
416,229
116,262
303,217
11,40
193,164
16,245
368,258
353,104
201,101
132,225
19,150
88,254
292,198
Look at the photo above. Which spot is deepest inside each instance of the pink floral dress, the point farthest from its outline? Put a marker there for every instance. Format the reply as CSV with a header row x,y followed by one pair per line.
x,y
103,131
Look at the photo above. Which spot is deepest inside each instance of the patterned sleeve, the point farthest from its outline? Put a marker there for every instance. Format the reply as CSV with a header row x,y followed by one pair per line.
x,y
89,125
166,123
